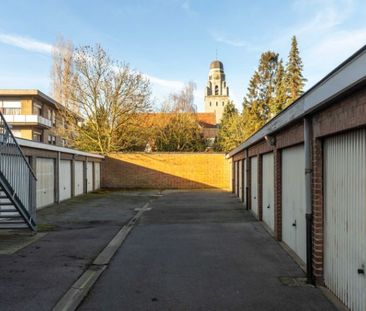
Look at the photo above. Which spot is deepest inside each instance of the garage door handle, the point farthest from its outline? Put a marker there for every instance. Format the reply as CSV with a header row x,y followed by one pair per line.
x,y
268,206
361,271
294,224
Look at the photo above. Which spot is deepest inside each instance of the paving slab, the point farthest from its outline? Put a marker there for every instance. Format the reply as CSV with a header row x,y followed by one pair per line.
x,y
37,274
202,251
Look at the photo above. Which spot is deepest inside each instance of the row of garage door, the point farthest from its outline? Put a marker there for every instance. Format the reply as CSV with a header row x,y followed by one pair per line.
x,y
46,179
344,183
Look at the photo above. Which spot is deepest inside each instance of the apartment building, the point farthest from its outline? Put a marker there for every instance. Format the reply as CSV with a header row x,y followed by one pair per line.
x,y
32,115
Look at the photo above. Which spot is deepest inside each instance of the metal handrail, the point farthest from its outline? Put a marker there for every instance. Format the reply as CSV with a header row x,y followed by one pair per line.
x,y
5,125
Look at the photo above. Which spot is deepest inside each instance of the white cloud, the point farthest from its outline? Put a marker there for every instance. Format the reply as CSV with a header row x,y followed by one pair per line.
x,y
186,6
170,84
328,14
233,41
26,43
30,44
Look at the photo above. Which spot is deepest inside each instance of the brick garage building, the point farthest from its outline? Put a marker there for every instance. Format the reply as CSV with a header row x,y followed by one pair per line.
x,y
308,185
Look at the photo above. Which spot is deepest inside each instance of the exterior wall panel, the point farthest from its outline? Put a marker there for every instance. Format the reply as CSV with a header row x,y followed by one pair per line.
x,y
345,217
293,200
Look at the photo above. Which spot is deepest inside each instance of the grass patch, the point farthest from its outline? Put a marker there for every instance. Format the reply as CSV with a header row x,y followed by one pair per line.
x,y
45,227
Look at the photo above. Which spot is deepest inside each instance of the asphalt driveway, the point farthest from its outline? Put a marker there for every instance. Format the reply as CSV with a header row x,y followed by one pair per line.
x,y
202,251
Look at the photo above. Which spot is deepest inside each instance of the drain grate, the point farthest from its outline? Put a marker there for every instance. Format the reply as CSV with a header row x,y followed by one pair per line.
x,y
293,281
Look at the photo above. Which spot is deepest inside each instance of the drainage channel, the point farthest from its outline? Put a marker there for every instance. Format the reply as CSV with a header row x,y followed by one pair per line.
x,y
77,292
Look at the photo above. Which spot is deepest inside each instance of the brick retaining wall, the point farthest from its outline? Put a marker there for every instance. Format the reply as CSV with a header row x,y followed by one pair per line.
x,y
166,171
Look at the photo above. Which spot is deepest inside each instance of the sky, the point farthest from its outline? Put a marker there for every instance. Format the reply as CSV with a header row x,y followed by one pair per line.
x,y
174,41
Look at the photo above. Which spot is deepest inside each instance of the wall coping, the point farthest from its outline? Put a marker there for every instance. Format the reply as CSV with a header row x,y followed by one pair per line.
x,y
42,146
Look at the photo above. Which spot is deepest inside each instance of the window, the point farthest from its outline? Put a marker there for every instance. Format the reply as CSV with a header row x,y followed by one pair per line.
x,y
17,133
210,104
52,140
37,109
53,117
216,90
49,114
37,136
217,104
223,104
8,107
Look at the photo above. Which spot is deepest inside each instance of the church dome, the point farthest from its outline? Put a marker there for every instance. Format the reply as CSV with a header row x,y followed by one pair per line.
x,y
216,64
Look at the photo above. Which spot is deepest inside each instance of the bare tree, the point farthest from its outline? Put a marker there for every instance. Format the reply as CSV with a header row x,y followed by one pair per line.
x,y
62,72
108,95
183,101
181,131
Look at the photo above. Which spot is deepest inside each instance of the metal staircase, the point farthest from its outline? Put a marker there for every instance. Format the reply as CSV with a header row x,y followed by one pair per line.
x,y
17,184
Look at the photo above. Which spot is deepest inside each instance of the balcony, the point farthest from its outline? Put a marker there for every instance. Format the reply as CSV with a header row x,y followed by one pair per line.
x,y
31,119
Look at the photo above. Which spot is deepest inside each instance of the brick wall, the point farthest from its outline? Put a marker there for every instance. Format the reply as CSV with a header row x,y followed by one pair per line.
x,y
166,171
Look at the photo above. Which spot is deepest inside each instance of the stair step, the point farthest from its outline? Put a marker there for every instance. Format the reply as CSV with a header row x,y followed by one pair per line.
x,y
16,216
5,225
8,210
6,203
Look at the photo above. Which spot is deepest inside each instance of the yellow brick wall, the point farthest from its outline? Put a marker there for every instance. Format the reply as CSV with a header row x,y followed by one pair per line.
x,y
166,171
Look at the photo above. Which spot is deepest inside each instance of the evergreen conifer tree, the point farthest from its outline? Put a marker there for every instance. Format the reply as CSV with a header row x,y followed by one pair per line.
x,y
294,79
232,129
260,98
281,92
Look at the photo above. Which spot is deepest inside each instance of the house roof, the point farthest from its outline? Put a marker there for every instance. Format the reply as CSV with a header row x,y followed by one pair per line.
x,y
29,92
206,119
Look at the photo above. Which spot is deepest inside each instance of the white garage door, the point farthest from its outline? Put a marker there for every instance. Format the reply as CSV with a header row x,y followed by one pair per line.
x,y
89,176
45,171
254,185
236,177
293,200
65,179
345,217
79,178
96,175
268,190
241,180
245,182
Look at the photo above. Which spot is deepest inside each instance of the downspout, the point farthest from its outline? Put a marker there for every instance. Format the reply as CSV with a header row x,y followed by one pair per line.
x,y
308,199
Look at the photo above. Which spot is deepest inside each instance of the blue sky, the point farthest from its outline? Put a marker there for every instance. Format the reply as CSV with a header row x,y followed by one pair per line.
x,y
174,41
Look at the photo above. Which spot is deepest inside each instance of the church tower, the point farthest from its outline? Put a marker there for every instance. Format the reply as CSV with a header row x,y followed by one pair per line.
x,y
217,92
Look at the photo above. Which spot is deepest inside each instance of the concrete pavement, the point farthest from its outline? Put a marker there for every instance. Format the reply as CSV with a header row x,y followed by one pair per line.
x,y
202,251
73,233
